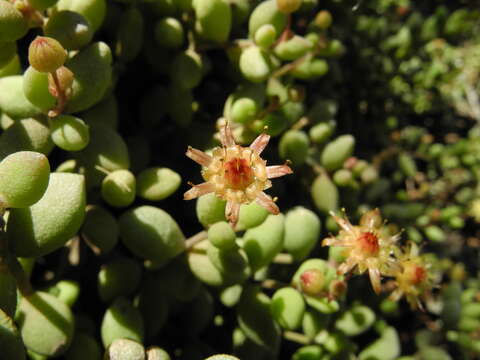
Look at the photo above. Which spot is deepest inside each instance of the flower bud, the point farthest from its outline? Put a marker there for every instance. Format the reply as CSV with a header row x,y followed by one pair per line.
x,y
297,93
65,80
337,288
371,218
323,19
312,281
288,6
46,54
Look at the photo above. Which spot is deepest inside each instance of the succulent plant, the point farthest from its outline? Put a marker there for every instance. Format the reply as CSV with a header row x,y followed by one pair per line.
x,y
368,249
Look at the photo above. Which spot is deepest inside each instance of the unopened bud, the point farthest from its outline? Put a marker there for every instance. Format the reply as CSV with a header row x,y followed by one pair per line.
x,y
46,54
65,81
288,6
323,19
312,281
337,288
296,93
371,219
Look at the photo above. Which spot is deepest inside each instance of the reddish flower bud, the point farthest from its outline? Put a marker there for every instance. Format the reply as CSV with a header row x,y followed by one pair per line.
x,y
46,54
312,281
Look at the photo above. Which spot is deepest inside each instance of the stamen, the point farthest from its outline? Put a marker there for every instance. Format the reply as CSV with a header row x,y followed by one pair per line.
x,y
226,136
368,243
238,174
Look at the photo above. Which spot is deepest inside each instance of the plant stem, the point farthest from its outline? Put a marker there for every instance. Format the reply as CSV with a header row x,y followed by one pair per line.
x,y
18,273
283,258
11,263
61,97
296,337
195,239
290,66
273,284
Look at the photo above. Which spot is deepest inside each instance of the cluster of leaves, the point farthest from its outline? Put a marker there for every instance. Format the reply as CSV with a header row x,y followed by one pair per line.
x,y
374,104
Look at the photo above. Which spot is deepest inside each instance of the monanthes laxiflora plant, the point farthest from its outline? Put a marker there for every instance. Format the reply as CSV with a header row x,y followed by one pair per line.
x,y
236,174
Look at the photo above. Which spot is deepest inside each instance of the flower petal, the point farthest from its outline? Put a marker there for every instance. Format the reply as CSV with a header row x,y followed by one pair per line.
x,y
226,136
346,266
232,211
199,156
267,202
333,241
260,143
330,241
374,274
371,219
278,170
343,223
199,190
396,295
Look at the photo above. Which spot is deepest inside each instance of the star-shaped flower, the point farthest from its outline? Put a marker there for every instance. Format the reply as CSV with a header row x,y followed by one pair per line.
x,y
236,174
368,246
414,278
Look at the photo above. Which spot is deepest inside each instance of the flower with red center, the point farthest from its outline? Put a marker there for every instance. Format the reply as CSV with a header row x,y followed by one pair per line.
x,y
368,246
368,243
236,174
413,279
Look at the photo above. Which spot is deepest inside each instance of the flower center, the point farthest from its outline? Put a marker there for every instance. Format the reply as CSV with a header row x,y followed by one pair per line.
x,y
415,274
368,243
238,174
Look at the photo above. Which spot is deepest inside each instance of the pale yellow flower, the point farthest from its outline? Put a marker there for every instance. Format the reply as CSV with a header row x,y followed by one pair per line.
x,y
414,278
368,246
236,174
